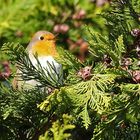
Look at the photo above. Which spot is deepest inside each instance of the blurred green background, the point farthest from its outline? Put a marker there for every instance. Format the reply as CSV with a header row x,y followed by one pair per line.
x,y
19,20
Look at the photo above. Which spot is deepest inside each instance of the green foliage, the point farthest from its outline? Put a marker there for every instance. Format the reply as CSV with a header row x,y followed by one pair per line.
x,y
119,118
101,45
97,104
59,129
19,20
18,118
13,50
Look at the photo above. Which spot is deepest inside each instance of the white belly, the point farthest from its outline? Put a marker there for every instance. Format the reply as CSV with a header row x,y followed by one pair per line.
x,y
46,67
44,60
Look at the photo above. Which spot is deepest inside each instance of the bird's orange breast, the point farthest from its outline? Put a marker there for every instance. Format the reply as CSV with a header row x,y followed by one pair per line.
x,y
45,48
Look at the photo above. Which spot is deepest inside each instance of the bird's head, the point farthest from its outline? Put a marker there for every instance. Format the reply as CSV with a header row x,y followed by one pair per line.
x,y
43,44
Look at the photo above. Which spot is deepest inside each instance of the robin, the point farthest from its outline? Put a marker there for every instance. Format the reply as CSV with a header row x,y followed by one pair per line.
x,y
43,45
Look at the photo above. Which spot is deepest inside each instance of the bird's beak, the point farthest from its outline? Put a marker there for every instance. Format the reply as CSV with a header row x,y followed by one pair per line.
x,y
56,35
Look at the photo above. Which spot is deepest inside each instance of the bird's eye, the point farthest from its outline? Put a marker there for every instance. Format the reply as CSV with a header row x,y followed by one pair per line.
x,y
41,38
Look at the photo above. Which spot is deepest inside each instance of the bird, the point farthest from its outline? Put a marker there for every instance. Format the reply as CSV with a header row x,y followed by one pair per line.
x,y
42,44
